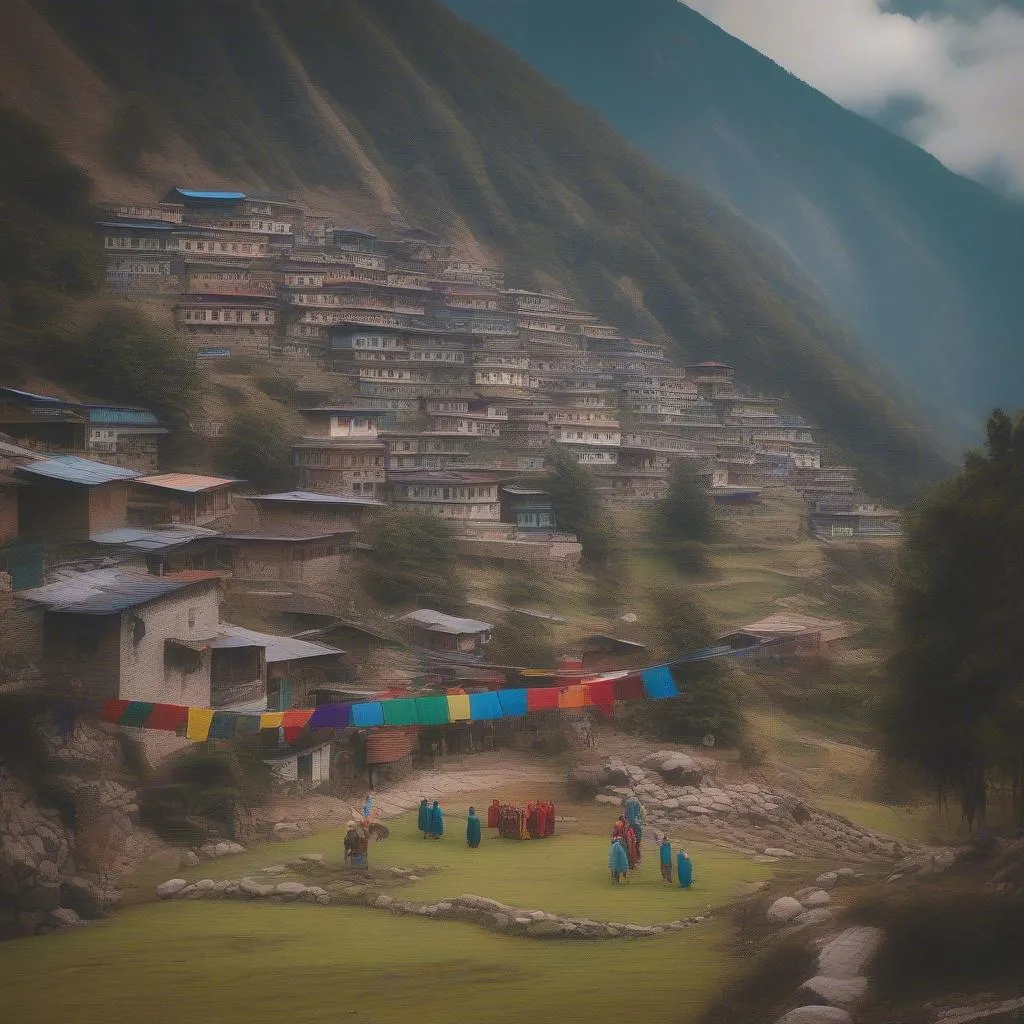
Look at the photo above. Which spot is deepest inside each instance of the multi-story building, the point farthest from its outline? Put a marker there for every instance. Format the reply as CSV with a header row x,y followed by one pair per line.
x,y
459,495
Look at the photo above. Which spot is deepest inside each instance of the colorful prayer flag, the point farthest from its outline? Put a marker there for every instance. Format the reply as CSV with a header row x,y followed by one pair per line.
x,y
513,703
247,725
542,698
573,696
629,687
601,692
432,710
294,722
458,707
367,714
658,683
168,717
400,711
484,706
199,721
223,725
113,710
136,713
331,716
271,719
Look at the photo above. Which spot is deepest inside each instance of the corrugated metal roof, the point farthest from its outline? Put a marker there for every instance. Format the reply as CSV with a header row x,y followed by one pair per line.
x,y
127,417
312,498
200,193
107,591
191,483
293,538
159,225
279,648
73,470
438,622
142,539
31,396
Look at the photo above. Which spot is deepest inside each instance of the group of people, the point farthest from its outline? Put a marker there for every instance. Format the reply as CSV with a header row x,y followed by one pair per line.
x,y
431,819
624,855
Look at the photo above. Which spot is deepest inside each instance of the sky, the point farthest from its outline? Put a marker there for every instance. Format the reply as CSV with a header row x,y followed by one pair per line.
x,y
951,80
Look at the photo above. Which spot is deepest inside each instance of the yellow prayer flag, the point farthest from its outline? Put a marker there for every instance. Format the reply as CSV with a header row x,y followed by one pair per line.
x,y
458,707
272,720
199,720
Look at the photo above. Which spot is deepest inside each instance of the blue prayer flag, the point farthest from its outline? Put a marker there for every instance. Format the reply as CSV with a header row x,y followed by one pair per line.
x,y
367,714
513,702
483,706
658,683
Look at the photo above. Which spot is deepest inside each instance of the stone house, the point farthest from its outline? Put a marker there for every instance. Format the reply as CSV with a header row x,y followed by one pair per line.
x,y
436,631
187,498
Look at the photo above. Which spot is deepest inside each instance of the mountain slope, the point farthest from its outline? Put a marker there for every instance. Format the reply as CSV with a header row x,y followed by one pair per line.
x,y
400,108
921,261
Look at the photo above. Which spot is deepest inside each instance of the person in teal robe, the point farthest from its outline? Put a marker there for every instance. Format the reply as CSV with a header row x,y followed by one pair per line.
x,y
618,862
684,869
423,819
665,857
473,829
436,821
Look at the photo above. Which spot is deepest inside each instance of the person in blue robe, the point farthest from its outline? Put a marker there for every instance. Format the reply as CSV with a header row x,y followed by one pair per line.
x,y
423,819
636,817
684,869
436,821
665,858
367,805
618,862
473,829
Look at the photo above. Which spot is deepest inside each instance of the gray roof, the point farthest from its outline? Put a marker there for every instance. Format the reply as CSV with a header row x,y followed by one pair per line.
x,y
438,622
311,497
107,591
279,648
73,470
159,539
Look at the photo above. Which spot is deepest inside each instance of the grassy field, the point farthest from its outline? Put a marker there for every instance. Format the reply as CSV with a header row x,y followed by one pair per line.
x,y
232,962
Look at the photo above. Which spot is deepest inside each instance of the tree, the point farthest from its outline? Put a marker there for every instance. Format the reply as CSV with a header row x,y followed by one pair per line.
x,y
257,447
522,640
709,700
413,558
685,513
578,509
124,356
957,709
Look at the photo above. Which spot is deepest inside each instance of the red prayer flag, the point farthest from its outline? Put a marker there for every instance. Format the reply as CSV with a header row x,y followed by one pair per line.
x,y
113,710
629,687
169,717
542,698
294,722
602,693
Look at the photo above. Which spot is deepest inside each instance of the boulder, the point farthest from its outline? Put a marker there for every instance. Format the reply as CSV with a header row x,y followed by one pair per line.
x,y
189,859
65,917
816,1015
817,898
783,910
205,885
292,890
88,899
275,869
850,952
774,851
170,888
544,928
313,858
829,880
384,902
836,991
809,918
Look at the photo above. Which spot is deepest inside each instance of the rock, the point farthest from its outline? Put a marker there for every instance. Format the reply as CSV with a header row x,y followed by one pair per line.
x,y
816,1015
801,894
819,915
544,928
313,858
829,880
817,898
604,798
850,952
250,887
189,859
208,850
236,848
501,921
836,991
65,917
88,899
783,910
762,859
275,869
774,851
293,890
205,885
384,902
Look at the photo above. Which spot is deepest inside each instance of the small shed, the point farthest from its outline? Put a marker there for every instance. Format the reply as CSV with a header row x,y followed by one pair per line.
x,y
437,631
307,767
786,636
529,508
189,498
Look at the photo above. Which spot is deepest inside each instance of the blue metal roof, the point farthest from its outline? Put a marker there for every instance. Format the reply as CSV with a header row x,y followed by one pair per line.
x,y
30,396
73,470
197,193
157,539
104,591
123,417
310,497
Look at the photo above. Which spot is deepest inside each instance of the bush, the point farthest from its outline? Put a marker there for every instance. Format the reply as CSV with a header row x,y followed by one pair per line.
x,y
257,447
685,514
524,641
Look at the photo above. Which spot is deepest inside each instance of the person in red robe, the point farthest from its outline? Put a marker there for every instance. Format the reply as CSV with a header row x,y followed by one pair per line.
x,y
494,814
632,848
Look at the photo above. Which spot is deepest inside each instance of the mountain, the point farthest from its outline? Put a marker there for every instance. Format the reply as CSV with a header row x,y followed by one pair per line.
x,y
387,110
921,262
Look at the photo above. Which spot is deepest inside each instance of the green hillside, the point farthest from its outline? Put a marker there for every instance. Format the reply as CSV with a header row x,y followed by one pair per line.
x,y
920,262
421,116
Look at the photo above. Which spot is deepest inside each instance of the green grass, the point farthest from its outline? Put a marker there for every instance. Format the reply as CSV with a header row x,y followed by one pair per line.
x,y
231,962
566,873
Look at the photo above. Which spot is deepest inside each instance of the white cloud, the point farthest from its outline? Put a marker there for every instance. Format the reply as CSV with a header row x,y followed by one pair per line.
x,y
968,76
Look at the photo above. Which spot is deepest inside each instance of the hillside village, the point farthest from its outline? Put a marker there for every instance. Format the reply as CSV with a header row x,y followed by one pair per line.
x,y
455,390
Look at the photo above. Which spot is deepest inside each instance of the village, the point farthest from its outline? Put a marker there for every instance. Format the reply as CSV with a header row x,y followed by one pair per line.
x,y
457,389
